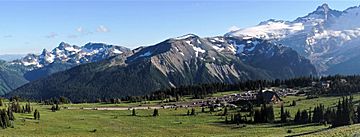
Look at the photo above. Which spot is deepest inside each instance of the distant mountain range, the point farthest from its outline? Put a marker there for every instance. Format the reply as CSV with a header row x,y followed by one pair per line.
x,y
185,60
11,57
325,41
32,67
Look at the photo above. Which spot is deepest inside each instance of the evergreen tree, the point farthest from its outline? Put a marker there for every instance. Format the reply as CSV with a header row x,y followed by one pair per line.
x,y
35,114
345,113
329,115
193,112
38,115
53,108
133,112
225,111
358,113
156,113
57,108
10,115
257,116
282,114
270,114
304,117
293,103
297,118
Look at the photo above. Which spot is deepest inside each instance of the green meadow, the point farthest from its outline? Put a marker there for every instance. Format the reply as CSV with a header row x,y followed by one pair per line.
x,y
171,122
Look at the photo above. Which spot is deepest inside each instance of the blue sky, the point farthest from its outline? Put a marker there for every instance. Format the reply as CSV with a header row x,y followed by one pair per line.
x,y
30,26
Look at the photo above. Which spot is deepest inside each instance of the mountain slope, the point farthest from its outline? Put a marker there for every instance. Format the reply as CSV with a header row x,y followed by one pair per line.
x,y
327,37
178,61
10,78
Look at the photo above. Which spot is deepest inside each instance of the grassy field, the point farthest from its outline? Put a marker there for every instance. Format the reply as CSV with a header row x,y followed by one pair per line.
x,y
171,122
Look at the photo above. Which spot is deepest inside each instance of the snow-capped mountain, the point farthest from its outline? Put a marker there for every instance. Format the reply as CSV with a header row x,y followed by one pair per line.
x,y
66,53
327,37
64,57
184,60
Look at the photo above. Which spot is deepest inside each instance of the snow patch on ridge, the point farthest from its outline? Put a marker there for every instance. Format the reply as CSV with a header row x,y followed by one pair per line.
x,y
269,30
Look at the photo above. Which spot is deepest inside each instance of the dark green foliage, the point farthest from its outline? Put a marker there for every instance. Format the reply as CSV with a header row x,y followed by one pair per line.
x,y
16,108
4,119
156,113
297,118
225,111
36,114
212,109
265,114
55,107
27,108
318,114
293,103
10,115
358,113
133,112
236,119
193,113
64,100
304,117
345,113
284,115
270,114
329,115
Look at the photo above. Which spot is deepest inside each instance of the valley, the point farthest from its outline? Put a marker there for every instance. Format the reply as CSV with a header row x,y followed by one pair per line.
x,y
164,69
82,122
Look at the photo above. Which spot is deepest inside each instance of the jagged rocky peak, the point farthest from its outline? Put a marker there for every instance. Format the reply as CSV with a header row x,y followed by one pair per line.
x,y
187,36
66,53
323,8
322,13
64,46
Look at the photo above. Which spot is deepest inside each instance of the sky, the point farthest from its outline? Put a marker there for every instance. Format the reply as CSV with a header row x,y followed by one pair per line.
x,y
30,26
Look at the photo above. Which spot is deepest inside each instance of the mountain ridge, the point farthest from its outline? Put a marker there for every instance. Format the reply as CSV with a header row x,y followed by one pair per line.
x,y
185,60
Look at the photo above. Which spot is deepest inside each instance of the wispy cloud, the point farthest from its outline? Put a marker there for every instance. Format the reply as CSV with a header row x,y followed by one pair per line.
x,y
52,35
80,29
102,28
8,36
233,28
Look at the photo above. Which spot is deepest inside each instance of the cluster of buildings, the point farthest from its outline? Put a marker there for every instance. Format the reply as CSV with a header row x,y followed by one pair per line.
x,y
271,95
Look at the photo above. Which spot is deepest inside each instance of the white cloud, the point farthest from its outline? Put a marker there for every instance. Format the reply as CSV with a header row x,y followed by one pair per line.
x,y
52,35
80,30
233,28
102,28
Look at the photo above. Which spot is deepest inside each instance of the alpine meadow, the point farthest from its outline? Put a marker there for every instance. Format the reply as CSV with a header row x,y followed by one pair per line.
x,y
119,68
